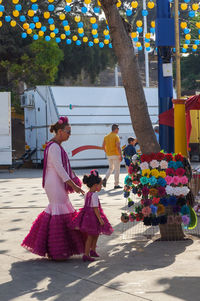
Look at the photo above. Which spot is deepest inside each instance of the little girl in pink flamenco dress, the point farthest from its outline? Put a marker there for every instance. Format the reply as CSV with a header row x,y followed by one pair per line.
x,y
50,234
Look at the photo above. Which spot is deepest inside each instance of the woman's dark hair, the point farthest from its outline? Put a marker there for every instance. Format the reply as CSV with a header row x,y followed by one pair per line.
x,y
92,179
59,125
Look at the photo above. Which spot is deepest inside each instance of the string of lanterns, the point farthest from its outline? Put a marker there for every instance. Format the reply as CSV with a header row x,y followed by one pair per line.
x,y
31,25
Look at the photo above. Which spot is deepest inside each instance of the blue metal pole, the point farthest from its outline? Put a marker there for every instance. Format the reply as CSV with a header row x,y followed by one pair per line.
x,y
165,40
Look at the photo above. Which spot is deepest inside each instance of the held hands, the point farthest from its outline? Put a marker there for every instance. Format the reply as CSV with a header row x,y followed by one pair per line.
x,y
78,189
101,222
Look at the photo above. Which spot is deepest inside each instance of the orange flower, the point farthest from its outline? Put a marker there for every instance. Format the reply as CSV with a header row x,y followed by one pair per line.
x,y
161,209
153,191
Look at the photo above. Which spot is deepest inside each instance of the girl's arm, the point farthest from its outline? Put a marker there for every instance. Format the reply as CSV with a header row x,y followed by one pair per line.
x,y
96,211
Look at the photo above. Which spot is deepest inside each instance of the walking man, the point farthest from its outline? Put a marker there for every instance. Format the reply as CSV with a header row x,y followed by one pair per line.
x,y
111,146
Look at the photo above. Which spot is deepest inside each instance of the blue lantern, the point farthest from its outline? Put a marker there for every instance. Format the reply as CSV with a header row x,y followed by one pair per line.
x,y
18,7
84,10
51,7
139,29
22,18
24,35
34,7
47,38
191,14
67,8
196,42
50,21
95,26
58,40
35,19
96,10
32,25
144,12
43,28
129,12
101,44
80,24
110,45
68,32
65,23
1,8
7,18
78,42
68,41
90,44
35,37
56,31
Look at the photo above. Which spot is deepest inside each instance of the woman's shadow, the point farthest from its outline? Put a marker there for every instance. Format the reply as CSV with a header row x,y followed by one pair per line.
x,y
74,280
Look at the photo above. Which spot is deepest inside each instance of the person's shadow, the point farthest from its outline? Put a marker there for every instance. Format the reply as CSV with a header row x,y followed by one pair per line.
x,y
74,280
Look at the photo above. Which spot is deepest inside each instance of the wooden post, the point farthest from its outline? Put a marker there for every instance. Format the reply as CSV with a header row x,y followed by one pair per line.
x,y
178,57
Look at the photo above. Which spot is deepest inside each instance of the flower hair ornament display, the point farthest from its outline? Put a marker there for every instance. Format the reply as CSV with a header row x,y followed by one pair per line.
x,y
162,182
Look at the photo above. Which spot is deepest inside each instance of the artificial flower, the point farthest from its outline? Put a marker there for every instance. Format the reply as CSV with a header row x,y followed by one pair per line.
x,y
153,209
146,211
169,190
130,169
162,174
184,180
185,210
163,164
161,209
146,173
168,180
155,173
164,202
155,201
147,202
168,157
153,191
172,200
186,219
171,164
152,181
144,180
161,191
159,156
180,172
170,172
144,165
154,164
178,164
147,220
176,209
178,157
161,182
176,180
132,217
145,191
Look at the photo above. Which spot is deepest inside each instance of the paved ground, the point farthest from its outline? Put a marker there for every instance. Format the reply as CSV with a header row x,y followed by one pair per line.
x,y
128,269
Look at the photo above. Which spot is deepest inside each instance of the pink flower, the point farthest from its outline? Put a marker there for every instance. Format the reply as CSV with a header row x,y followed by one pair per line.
x,y
176,180
146,211
180,172
184,180
170,171
130,169
169,180
161,191
145,190
60,121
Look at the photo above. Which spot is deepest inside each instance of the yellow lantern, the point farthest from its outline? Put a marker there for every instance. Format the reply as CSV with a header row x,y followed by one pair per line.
x,y
85,39
80,30
118,3
195,6
184,6
52,34
147,45
106,32
93,20
185,46
183,25
25,25
15,13
134,4
1,13
51,1
33,1
63,36
194,46
67,27
31,13
153,24
41,33
87,1
188,36
96,41
13,23
98,2
139,23
15,1
46,15
138,44
38,25
74,38
29,31
150,4
198,24
68,1
77,19
94,31
148,35
106,41
133,35
62,16
1,23
52,27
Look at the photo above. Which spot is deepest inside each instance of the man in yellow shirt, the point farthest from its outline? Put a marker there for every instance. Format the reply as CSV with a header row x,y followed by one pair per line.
x,y
111,146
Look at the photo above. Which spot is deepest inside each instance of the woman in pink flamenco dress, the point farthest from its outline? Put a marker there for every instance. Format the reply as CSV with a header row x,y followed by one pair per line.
x,y
50,234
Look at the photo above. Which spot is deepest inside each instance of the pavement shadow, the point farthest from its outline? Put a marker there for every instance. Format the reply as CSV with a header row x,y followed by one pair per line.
x,y
183,288
78,280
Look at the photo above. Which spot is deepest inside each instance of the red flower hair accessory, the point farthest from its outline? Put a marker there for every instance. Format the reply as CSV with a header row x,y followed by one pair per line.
x,y
63,119
93,172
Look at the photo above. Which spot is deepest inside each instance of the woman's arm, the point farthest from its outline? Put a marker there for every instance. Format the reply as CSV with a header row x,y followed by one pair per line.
x,y
75,187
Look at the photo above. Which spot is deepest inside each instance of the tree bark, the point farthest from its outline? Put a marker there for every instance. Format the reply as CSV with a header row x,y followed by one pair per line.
x,y
132,83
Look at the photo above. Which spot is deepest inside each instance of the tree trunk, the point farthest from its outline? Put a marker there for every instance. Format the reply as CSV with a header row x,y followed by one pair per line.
x,y
132,83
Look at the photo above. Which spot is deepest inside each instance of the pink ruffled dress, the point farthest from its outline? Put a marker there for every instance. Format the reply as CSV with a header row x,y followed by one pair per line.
x,y
86,219
50,234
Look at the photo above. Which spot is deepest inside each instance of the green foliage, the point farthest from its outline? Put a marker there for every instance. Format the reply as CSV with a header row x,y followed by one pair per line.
x,y
190,71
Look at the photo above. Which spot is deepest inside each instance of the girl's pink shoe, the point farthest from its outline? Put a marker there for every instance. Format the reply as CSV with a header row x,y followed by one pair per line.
x,y
94,254
87,258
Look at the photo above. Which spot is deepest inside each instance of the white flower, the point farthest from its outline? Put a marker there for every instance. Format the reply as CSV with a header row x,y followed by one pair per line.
x,y
134,158
177,191
154,164
185,190
163,164
144,165
169,190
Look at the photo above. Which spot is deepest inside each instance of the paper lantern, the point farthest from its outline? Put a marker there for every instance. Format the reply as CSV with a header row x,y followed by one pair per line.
x,y
133,35
31,13
195,6
74,38
138,44
66,28
96,41
153,24
29,31
194,46
63,36
46,15
106,42
93,20
198,24
13,23
150,4
62,16
139,23
87,1
80,30
15,13
148,35
38,25
77,19
188,36
105,32
25,25
41,33
118,3
184,6
52,27
183,25
85,39
134,4
94,31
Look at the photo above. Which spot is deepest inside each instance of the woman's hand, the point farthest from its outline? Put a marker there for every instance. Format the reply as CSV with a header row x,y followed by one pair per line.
x,y
101,222
78,189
